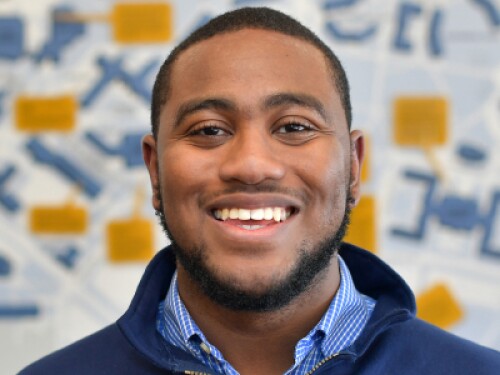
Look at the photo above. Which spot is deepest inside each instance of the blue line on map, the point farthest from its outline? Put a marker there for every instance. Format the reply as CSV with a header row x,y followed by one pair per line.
x,y
68,257
5,266
129,148
419,231
491,9
435,44
68,169
112,70
62,34
335,4
407,11
350,36
8,200
11,38
18,311
486,246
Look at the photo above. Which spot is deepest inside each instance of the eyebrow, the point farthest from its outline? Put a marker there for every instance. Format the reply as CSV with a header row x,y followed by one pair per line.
x,y
194,106
303,100
271,101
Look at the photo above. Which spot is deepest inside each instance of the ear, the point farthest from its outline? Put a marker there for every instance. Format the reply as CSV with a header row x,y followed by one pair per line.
x,y
357,155
150,155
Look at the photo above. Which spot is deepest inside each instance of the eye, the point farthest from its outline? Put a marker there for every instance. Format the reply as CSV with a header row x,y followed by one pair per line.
x,y
294,127
208,131
295,131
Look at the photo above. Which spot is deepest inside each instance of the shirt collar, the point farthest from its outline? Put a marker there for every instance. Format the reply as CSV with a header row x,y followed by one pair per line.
x,y
342,323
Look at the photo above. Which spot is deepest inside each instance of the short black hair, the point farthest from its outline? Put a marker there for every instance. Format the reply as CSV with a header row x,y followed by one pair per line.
x,y
247,18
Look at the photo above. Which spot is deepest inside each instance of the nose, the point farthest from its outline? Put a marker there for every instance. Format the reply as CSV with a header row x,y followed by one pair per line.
x,y
251,159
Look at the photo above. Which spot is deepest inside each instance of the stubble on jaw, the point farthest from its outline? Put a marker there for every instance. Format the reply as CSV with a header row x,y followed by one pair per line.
x,y
225,291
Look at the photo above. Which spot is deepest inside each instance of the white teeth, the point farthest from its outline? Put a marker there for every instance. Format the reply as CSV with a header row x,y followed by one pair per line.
x,y
277,214
251,227
244,214
257,214
234,213
268,213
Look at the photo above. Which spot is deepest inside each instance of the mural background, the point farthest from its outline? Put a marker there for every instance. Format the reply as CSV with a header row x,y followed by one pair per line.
x,y
76,226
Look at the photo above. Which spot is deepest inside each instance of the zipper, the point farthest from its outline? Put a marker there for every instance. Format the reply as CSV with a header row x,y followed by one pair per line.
x,y
189,372
322,362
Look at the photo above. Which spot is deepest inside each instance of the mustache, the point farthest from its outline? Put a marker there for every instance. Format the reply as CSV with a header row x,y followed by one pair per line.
x,y
256,189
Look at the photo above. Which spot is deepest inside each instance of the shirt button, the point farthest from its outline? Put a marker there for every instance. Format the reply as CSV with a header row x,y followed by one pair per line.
x,y
205,348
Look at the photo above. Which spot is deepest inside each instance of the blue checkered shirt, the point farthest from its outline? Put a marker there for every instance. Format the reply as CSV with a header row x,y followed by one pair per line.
x,y
342,323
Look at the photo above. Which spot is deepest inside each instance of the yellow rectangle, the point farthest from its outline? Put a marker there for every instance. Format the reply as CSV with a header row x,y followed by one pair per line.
x,y
367,160
142,22
362,229
58,220
130,240
420,121
438,306
44,113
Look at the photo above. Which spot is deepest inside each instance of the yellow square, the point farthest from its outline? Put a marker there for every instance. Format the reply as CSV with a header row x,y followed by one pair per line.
x,y
130,240
362,230
142,22
366,166
58,220
438,306
420,121
37,114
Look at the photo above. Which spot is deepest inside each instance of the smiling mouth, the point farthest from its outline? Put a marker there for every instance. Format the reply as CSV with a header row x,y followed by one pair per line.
x,y
257,218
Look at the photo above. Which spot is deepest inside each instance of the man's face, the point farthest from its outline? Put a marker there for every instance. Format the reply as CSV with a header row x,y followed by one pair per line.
x,y
253,129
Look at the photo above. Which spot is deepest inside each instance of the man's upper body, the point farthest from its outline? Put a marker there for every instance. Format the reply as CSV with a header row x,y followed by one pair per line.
x,y
254,171
392,342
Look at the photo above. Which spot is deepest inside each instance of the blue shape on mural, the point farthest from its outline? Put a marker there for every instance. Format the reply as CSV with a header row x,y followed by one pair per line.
x,y
471,153
419,231
350,36
5,267
11,38
18,311
8,200
346,35
456,212
407,11
129,148
68,257
335,4
435,44
491,10
68,169
489,220
112,70
62,34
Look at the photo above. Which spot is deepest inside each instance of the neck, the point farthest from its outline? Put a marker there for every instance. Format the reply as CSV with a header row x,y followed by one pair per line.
x,y
260,342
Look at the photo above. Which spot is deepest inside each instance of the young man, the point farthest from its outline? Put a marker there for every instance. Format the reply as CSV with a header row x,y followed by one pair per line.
x,y
254,171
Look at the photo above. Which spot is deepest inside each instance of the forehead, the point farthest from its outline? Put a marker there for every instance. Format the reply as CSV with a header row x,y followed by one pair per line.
x,y
249,64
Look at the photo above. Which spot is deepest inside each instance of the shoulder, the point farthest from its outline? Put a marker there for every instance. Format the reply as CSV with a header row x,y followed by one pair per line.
x,y
104,352
427,349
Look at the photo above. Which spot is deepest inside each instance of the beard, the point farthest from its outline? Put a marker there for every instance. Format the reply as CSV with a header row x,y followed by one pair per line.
x,y
225,292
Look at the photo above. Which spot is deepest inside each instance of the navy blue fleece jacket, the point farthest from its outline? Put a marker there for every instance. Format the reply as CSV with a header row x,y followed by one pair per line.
x,y
394,342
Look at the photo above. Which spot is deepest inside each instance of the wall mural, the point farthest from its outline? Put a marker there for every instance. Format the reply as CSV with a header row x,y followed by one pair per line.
x,y
76,226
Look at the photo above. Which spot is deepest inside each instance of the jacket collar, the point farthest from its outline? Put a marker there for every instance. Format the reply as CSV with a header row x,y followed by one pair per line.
x,y
371,277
